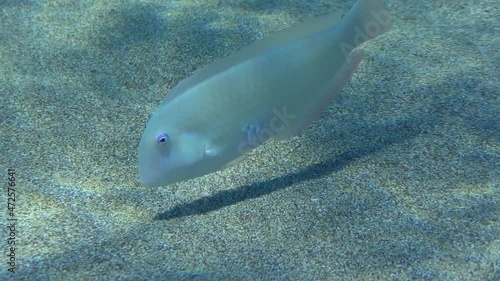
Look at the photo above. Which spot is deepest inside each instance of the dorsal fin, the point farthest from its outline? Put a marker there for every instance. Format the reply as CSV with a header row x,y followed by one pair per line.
x,y
279,38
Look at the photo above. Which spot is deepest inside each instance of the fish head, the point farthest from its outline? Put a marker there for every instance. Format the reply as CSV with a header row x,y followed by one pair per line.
x,y
168,154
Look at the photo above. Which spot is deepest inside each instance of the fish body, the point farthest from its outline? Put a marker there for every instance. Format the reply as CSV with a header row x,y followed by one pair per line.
x,y
273,88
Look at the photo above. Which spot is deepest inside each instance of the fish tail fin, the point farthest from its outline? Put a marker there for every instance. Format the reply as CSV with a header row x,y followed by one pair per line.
x,y
366,20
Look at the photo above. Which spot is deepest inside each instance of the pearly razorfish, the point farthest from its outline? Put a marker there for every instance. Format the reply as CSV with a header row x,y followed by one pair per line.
x,y
273,88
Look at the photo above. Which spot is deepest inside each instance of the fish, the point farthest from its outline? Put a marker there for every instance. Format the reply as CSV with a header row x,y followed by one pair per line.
x,y
273,88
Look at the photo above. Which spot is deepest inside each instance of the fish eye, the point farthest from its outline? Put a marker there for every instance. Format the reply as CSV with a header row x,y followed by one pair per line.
x,y
162,138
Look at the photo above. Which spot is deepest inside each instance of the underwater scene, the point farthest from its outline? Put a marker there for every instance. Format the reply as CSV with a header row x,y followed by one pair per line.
x,y
196,140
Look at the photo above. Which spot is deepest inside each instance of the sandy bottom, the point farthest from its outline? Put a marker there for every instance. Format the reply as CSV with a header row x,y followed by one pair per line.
x,y
399,179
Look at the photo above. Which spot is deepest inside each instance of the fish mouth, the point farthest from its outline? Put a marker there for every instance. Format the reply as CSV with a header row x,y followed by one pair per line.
x,y
148,175
147,180
144,182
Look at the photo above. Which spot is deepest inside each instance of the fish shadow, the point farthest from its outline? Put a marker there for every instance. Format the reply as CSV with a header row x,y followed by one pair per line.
x,y
399,131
